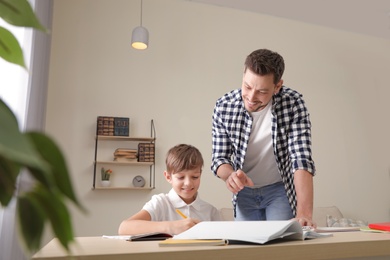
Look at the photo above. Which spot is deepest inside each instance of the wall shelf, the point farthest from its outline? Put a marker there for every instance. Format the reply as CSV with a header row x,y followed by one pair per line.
x,y
124,140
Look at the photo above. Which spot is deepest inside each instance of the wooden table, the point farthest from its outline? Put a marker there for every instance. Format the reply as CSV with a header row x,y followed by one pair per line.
x,y
340,245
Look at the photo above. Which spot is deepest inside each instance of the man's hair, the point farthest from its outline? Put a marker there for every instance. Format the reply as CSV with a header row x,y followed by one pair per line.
x,y
183,157
264,62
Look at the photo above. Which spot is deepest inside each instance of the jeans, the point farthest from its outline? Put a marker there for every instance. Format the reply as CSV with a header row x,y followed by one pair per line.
x,y
265,203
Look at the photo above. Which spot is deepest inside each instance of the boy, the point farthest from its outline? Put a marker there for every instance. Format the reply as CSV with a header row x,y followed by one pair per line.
x,y
183,171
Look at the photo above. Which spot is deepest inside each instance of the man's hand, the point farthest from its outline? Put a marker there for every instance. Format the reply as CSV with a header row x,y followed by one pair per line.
x,y
237,181
305,222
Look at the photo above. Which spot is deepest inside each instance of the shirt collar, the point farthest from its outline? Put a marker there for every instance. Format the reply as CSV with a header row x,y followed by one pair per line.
x,y
177,202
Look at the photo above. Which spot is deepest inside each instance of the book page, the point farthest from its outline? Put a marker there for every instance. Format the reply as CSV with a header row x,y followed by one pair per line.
x,y
248,231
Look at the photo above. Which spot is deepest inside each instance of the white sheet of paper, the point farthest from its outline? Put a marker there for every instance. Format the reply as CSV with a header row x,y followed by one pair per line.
x,y
248,231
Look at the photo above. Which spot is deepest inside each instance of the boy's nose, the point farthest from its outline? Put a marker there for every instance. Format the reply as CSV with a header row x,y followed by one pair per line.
x,y
187,181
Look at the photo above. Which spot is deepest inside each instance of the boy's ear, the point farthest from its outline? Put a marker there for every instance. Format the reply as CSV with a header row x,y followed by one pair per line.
x,y
168,176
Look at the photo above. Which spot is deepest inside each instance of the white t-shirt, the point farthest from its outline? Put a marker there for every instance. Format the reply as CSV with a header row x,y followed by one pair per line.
x,y
260,163
162,207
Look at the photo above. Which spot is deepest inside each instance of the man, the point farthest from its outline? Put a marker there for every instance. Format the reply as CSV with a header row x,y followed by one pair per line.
x,y
262,144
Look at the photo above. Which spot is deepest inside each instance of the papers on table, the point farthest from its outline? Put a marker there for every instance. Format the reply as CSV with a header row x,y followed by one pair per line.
x,y
336,229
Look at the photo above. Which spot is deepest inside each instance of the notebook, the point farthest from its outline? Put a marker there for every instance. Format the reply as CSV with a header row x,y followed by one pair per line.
x,y
380,226
142,237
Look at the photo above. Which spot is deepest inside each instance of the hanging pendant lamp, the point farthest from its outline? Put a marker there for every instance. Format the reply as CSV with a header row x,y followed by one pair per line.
x,y
140,36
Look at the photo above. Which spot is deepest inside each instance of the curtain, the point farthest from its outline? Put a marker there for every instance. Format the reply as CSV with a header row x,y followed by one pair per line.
x,y
33,119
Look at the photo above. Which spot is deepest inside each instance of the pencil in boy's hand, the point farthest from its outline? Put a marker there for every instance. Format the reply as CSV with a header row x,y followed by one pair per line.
x,y
181,214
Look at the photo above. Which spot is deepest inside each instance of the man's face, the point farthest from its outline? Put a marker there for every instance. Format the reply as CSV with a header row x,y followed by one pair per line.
x,y
257,91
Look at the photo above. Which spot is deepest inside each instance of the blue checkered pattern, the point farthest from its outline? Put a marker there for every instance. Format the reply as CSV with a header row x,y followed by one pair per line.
x,y
291,135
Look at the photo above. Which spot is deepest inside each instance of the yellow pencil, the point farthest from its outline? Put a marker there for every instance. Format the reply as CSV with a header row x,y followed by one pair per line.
x,y
181,213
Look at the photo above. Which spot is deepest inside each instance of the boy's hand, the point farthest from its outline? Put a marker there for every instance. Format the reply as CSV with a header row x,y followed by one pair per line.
x,y
237,181
178,226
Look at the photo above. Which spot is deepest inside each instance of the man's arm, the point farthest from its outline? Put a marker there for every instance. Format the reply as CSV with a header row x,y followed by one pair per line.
x,y
303,181
224,171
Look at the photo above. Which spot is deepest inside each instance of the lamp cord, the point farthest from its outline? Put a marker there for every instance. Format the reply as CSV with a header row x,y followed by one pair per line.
x,y
141,12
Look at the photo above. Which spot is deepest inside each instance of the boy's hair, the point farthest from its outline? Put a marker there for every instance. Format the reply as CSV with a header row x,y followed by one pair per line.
x,y
183,157
264,62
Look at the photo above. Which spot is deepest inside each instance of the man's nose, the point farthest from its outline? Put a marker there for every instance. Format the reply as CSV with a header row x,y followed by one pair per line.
x,y
251,94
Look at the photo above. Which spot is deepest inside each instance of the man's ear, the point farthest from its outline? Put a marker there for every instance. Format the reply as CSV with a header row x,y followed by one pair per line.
x,y
278,86
168,176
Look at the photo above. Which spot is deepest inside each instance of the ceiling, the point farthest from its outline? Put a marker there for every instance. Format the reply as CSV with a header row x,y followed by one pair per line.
x,y
368,17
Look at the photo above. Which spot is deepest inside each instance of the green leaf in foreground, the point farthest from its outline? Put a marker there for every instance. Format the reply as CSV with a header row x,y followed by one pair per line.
x,y
17,150
32,225
40,206
50,152
19,13
10,49
8,174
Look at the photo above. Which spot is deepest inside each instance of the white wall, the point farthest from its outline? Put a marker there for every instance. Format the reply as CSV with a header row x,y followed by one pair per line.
x,y
196,54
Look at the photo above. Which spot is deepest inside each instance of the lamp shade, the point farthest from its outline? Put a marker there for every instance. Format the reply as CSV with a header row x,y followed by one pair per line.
x,y
140,38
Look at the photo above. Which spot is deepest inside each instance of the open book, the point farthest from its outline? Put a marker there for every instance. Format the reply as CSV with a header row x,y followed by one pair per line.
x,y
258,232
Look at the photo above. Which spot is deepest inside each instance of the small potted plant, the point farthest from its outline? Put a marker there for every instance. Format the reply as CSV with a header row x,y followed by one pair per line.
x,y
106,174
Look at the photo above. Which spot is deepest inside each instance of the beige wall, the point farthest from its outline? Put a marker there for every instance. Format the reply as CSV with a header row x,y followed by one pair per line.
x,y
196,54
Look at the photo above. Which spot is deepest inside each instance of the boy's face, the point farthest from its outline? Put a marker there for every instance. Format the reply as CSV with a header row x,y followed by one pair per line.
x,y
185,183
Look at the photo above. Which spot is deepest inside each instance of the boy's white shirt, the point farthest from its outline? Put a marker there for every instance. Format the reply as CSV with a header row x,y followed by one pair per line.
x,y
162,207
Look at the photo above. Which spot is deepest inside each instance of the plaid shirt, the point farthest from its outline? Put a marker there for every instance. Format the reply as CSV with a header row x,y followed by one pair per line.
x,y
291,135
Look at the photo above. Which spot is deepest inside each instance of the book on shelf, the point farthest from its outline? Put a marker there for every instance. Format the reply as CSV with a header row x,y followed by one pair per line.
x,y
126,150
125,154
251,232
121,126
128,155
146,152
123,159
113,126
105,125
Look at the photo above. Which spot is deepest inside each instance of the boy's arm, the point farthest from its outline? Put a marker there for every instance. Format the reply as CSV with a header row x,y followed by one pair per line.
x,y
141,223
